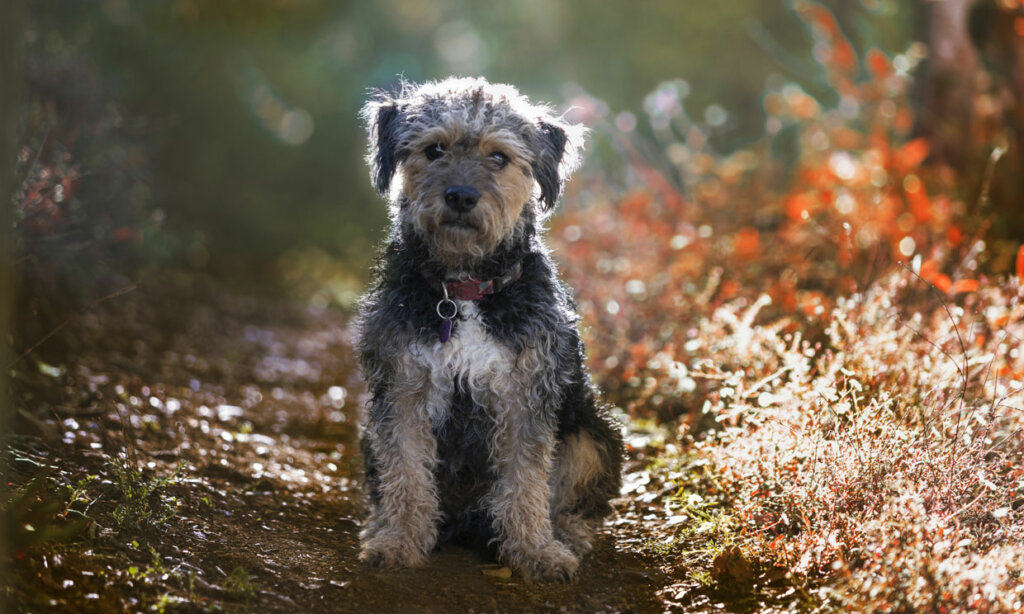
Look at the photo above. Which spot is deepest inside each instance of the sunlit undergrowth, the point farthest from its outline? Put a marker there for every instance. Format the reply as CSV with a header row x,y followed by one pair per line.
x,y
833,339
142,498
863,458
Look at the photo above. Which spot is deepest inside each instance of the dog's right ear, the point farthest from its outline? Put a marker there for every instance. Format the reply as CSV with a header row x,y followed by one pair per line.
x,y
383,118
558,155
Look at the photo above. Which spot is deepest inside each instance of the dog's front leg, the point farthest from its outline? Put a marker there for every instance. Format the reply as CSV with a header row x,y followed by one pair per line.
x,y
403,524
523,446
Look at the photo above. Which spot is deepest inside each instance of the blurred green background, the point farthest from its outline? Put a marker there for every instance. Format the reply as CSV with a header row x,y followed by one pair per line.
x,y
234,123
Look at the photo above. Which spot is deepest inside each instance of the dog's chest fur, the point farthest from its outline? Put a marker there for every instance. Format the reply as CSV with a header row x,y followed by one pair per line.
x,y
472,358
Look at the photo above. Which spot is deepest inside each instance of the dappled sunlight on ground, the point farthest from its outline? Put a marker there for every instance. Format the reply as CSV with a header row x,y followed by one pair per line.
x,y
252,407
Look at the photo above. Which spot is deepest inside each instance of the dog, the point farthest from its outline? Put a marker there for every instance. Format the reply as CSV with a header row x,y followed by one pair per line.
x,y
483,426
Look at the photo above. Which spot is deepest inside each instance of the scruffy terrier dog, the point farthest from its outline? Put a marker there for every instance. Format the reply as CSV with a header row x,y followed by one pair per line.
x,y
482,426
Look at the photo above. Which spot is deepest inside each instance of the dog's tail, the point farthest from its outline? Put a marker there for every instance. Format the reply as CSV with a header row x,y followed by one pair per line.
x,y
588,470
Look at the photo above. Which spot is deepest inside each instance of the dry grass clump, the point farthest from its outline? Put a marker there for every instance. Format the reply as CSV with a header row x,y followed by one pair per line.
x,y
887,456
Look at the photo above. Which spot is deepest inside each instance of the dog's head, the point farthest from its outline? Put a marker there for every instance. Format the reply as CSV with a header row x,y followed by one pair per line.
x,y
462,161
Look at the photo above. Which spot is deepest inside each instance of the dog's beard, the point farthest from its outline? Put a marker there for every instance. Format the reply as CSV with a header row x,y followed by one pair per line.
x,y
457,240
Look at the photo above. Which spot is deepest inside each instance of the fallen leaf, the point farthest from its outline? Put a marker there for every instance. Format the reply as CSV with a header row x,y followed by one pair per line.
x,y
502,573
961,286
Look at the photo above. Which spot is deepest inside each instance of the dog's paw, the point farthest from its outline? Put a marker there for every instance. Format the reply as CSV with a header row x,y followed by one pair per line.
x,y
384,550
575,533
553,562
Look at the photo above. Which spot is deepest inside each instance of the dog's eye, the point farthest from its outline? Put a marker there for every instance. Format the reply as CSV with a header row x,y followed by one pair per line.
x,y
434,152
500,158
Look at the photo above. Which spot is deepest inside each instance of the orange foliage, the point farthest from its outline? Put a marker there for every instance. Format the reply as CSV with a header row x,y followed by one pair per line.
x,y
858,197
878,63
964,285
911,155
747,243
798,206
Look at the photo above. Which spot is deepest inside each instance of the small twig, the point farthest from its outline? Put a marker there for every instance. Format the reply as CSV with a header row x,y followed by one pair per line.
x,y
988,370
129,445
39,152
963,349
990,169
1013,435
711,376
934,345
766,380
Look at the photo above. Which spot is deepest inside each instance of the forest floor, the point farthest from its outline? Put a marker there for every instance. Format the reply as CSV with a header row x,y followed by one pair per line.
x,y
193,450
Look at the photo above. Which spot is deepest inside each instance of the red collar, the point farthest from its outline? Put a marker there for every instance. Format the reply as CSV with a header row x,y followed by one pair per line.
x,y
473,288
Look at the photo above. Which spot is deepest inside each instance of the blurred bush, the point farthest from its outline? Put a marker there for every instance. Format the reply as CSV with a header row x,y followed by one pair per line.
x,y
82,208
235,122
834,193
84,200
223,136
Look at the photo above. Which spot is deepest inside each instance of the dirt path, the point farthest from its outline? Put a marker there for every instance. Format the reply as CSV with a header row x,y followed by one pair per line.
x,y
256,406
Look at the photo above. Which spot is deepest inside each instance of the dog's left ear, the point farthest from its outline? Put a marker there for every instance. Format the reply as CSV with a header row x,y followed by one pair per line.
x,y
383,118
558,155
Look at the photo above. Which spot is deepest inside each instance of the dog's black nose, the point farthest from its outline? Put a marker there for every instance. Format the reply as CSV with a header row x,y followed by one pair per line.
x,y
462,198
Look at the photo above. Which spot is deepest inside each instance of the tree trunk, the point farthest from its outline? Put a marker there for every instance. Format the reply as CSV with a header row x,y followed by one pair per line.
x,y
971,102
11,112
950,80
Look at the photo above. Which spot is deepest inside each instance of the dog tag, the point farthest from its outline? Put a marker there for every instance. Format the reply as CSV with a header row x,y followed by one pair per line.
x,y
443,306
445,330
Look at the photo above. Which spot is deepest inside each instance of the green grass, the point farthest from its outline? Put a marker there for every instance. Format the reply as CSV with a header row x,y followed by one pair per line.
x,y
143,499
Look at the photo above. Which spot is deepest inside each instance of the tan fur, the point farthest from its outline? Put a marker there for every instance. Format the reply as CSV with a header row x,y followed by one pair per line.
x,y
578,463
403,529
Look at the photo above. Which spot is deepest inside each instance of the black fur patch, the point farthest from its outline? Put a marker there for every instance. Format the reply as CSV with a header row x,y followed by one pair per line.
x,y
545,167
383,129
463,472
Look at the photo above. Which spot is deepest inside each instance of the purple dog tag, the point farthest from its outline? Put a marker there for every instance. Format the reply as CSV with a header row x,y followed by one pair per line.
x,y
444,305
